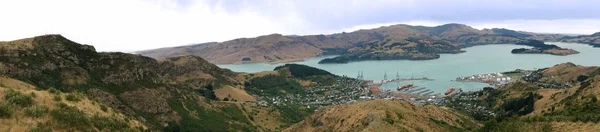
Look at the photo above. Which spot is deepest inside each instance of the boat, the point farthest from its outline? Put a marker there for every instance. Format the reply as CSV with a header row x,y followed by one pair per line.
x,y
452,89
407,86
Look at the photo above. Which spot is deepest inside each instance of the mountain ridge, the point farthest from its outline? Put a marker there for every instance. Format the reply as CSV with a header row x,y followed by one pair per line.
x,y
399,41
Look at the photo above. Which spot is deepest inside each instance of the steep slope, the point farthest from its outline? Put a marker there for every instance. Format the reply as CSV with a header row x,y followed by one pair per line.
x,y
23,108
383,43
384,115
168,94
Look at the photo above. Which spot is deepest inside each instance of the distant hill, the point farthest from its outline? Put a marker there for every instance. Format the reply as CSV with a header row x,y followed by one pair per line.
x,y
593,40
383,43
174,51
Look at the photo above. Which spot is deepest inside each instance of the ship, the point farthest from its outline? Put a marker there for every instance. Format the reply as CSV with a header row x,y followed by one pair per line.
x,y
405,87
451,90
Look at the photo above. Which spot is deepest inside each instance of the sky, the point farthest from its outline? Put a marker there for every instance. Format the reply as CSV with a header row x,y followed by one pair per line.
x,y
132,25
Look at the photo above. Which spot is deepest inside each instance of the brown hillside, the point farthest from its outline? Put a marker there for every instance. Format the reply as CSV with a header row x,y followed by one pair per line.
x,y
276,48
173,93
384,115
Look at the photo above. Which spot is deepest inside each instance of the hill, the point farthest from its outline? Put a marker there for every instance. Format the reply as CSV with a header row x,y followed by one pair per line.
x,y
593,40
24,108
185,93
383,43
168,94
552,99
384,115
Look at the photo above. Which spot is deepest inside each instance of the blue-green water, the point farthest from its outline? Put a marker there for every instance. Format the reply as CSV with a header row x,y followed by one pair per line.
x,y
477,60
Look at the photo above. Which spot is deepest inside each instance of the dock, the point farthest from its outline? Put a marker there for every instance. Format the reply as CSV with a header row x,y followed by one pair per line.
x,y
381,82
414,90
428,93
424,91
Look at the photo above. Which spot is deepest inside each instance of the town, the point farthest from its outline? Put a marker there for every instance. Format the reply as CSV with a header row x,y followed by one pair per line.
x,y
345,90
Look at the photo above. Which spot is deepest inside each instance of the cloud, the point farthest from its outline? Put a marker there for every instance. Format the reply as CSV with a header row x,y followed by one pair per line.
x,y
129,25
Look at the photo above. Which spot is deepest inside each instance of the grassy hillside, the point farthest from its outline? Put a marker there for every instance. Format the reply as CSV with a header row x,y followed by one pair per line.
x,y
384,115
558,98
23,107
169,94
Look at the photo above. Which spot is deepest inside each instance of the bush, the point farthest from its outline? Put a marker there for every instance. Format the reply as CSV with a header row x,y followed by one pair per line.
x,y
36,111
5,110
40,128
53,90
103,108
61,105
109,123
70,117
18,98
57,98
74,97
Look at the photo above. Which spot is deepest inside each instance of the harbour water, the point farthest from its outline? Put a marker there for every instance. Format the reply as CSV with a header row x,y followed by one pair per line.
x,y
477,60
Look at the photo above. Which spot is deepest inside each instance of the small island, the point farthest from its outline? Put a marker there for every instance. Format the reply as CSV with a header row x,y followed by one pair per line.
x,y
539,47
360,56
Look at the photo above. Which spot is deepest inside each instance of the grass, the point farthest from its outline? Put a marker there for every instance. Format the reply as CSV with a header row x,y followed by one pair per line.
x,y
36,111
40,128
5,110
70,117
103,108
109,123
57,98
74,97
18,98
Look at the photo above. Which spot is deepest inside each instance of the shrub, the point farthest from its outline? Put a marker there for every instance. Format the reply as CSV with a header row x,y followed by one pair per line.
x,y
36,111
70,117
103,108
18,98
57,98
74,97
5,110
109,123
61,105
40,128
53,90
32,94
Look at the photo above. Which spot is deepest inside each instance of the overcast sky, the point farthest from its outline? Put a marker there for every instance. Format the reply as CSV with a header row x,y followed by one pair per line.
x,y
130,25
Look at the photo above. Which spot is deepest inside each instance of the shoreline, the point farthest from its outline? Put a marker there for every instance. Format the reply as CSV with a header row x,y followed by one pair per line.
x,y
462,49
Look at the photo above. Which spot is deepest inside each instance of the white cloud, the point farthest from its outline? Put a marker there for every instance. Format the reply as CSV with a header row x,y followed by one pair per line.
x,y
567,26
129,25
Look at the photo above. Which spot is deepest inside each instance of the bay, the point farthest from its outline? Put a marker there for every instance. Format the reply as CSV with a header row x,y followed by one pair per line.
x,y
476,60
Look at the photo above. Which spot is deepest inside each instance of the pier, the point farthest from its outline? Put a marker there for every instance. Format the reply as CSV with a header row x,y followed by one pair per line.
x,y
381,82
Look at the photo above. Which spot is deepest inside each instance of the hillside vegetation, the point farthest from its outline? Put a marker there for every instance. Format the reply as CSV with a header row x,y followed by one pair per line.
x,y
558,98
25,108
384,115
173,94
